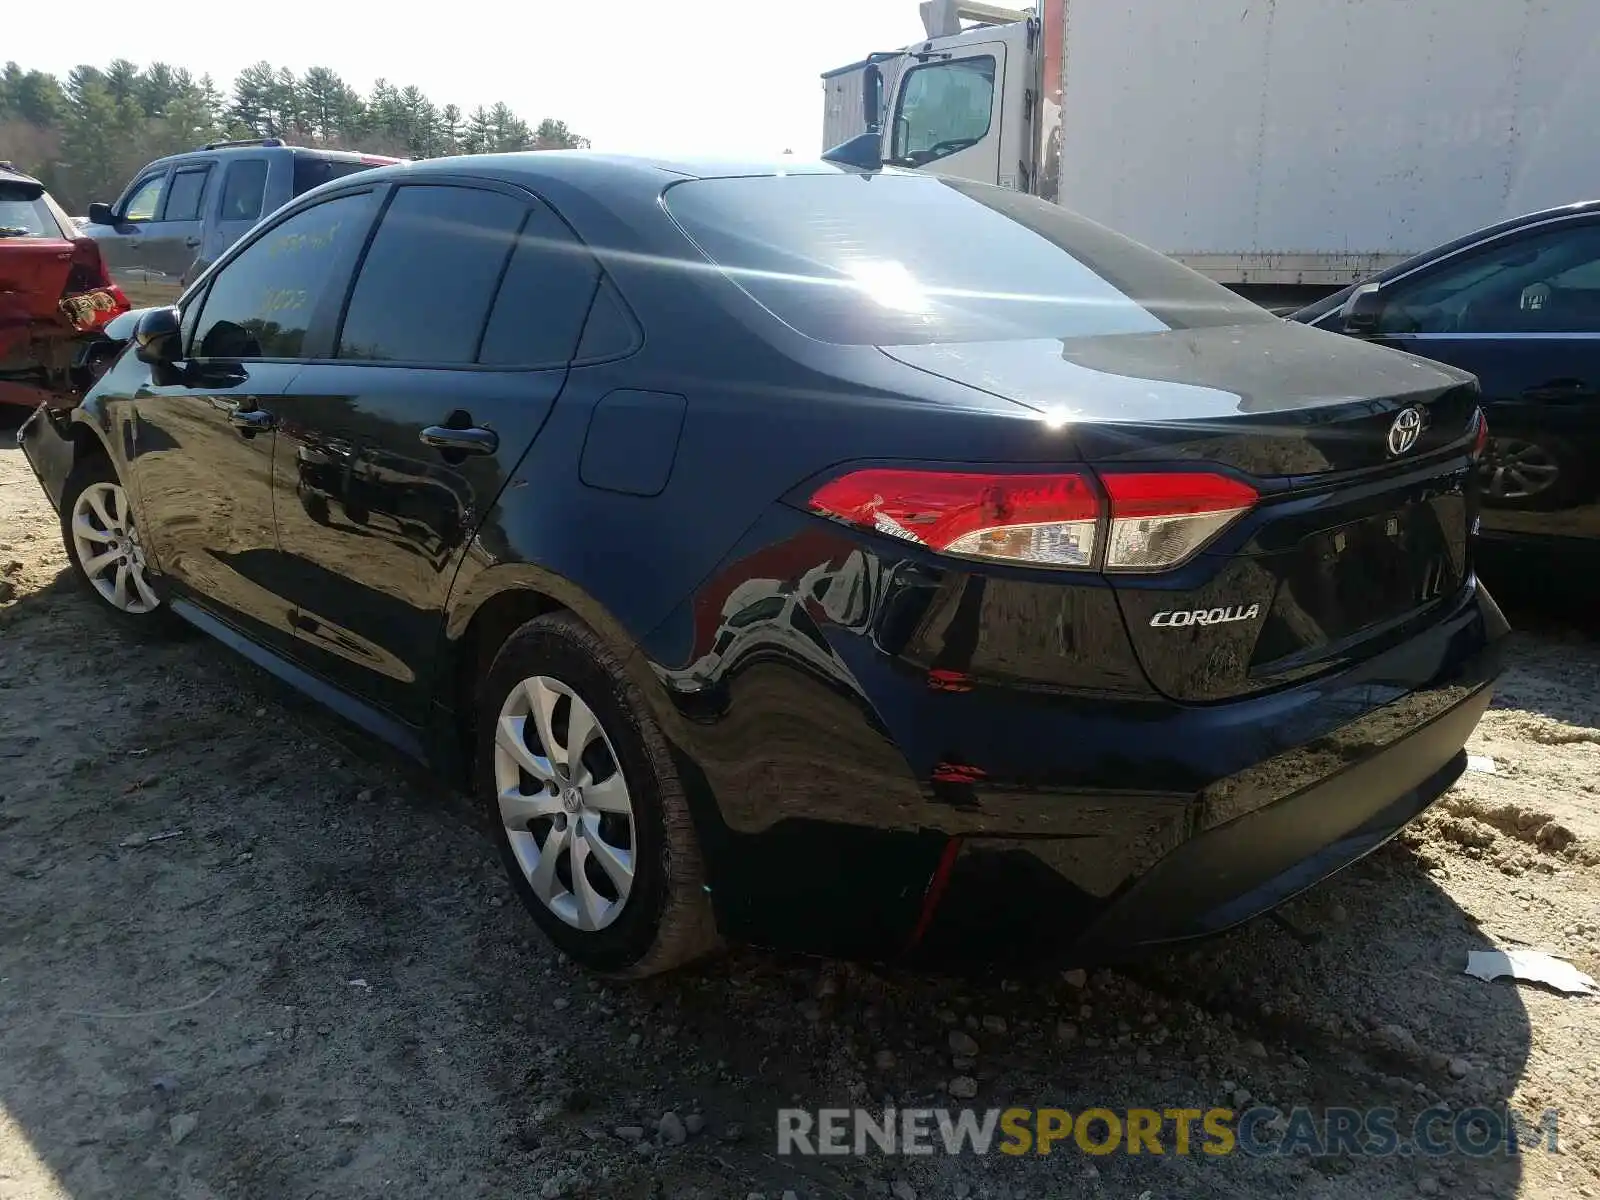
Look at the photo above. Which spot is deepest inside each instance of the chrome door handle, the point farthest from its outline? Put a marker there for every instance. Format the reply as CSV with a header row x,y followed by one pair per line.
x,y
462,441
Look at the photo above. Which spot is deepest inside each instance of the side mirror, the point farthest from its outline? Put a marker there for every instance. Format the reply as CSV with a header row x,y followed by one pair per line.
x,y
101,214
864,152
157,339
872,96
1361,312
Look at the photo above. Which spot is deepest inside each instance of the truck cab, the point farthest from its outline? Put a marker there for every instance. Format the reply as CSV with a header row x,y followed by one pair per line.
x,y
960,103
179,213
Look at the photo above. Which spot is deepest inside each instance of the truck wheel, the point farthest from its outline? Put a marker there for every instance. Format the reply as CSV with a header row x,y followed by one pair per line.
x,y
588,811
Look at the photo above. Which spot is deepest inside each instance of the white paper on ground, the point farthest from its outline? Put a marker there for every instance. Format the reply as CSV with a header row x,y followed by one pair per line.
x,y
1480,762
1532,967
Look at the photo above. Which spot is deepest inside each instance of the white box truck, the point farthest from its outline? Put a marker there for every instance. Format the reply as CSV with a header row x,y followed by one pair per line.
x,y
1282,147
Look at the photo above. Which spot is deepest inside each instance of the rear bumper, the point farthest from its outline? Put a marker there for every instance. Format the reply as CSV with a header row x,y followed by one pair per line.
x,y
49,451
1253,840
1251,865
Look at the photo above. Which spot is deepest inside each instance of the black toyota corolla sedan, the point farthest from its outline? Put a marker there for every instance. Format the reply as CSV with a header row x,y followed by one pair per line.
x,y
861,562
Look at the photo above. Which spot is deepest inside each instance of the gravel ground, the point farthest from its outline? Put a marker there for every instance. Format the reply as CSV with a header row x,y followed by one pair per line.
x,y
246,953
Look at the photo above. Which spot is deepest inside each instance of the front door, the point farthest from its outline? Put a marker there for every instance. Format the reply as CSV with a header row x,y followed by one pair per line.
x,y
455,345
122,241
204,441
1523,315
172,240
202,462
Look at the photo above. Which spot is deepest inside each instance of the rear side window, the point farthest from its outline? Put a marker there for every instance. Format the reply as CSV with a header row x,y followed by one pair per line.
x,y
311,171
913,260
27,218
539,311
430,275
261,304
244,188
184,195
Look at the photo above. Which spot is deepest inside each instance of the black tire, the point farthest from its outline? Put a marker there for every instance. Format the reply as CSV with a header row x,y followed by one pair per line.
x,y
157,622
1567,488
666,920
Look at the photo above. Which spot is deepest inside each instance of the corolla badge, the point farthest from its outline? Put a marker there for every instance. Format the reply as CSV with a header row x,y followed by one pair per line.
x,y
1205,616
1407,428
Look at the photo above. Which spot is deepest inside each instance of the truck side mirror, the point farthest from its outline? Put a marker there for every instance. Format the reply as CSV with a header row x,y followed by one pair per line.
x,y
1362,311
872,96
101,214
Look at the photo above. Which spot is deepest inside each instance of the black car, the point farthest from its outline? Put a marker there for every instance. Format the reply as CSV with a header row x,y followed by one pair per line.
x,y
858,561
1518,305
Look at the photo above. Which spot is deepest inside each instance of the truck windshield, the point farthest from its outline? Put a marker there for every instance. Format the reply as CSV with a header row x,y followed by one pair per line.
x,y
890,259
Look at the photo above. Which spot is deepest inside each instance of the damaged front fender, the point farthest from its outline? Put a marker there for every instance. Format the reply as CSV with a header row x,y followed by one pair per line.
x,y
47,442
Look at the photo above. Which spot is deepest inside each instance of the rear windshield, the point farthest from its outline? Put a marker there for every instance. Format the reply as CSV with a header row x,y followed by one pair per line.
x,y
890,259
310,172
27,218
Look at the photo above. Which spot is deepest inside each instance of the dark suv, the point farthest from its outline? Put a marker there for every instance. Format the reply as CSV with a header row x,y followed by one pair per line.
x,y
181,212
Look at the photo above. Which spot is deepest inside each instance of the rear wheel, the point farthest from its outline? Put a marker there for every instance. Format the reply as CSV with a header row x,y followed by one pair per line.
x,y
587,808
107,552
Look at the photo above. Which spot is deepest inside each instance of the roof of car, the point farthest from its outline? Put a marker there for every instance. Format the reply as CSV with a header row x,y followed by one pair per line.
x,y
586,165
18,181
247,149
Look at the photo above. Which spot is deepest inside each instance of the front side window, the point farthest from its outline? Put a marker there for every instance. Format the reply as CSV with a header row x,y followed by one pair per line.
x,y
145,202
429,277
903,259
261,304
944,108
183,197
1545,282
243,190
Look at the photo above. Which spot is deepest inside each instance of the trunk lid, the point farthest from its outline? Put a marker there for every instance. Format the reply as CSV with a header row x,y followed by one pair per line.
x,y
1355,542
33,277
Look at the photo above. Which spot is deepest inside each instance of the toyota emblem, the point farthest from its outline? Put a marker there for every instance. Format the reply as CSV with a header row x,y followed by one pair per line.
x,y
1405,431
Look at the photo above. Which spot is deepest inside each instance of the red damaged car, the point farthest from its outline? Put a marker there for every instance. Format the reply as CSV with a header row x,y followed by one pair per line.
x,y
55,297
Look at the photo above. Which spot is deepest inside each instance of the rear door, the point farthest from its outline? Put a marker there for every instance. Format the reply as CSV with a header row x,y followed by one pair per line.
x,y
241,203
454,345
171,242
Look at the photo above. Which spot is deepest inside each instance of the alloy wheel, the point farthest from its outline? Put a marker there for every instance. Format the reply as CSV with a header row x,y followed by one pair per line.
x,y
1514,469
109,549
564,803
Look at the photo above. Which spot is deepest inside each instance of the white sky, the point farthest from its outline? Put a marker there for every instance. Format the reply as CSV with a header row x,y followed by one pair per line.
x,y
632,75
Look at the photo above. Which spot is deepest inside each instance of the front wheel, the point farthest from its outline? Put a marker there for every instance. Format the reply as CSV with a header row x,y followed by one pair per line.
x,y
108,554
588,812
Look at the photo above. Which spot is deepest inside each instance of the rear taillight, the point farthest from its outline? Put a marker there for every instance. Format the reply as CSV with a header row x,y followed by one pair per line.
x,y
1480,440
1039,520
1160,519
1156,520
